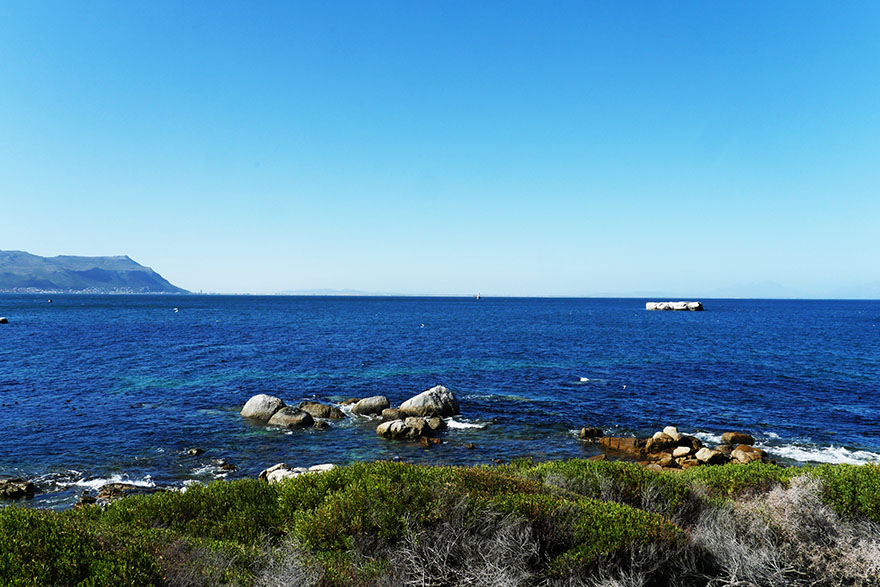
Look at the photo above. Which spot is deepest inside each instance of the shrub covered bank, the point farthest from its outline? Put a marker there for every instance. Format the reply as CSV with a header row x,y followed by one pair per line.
x,y
558,523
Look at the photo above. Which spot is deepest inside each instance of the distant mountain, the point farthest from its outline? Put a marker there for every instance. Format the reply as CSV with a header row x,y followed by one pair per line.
x,y
23,272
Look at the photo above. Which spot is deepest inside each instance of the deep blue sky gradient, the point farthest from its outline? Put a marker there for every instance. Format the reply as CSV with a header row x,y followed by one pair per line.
x,y
511,148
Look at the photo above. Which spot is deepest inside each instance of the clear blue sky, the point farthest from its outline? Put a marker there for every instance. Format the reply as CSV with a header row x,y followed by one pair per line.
x,y
519,148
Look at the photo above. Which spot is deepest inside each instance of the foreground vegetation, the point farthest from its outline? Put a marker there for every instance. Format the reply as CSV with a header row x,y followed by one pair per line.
x,y
558,523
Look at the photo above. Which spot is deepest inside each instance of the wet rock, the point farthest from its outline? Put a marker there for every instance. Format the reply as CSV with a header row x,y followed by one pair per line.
x,y
228,467
319,410
437,401
436,424
590,432
392,414
470,446
262,407
633,447
349,401
428,442
320,425
370,405
113,491
290,417
194,452
708,456
745,454
85,499
659,442
16,489
733,438
4,320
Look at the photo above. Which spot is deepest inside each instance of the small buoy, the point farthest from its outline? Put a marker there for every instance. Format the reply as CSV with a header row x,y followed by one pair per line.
x,y
175,310
422,326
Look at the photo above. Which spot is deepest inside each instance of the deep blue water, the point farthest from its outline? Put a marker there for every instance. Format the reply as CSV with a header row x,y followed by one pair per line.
x,y
99,387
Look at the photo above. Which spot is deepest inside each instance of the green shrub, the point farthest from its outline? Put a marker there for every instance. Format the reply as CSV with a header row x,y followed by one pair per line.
x,y
851,489
733,480
39,547
243,511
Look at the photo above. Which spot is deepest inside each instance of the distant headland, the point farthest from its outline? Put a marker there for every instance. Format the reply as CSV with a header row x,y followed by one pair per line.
x,y
23,272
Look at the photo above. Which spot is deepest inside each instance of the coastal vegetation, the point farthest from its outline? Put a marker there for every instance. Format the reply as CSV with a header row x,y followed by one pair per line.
x,y
576,522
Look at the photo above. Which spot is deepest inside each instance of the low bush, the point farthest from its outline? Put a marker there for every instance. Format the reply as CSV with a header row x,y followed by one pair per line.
x,y
853,491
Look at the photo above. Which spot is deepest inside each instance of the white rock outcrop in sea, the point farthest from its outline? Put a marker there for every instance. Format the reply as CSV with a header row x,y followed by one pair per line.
x,y
262,407
282,471
691,306
370,405
437,401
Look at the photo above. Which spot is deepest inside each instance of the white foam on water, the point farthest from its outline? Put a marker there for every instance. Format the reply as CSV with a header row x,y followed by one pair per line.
x,y
772,435
462,424
100,482
708,437
829,454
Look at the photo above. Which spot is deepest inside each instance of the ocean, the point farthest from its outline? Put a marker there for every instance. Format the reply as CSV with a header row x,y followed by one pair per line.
x,y
98,388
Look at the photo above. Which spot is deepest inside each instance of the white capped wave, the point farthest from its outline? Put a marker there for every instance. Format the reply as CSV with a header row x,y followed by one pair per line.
x,y
99,482
772,435
708,437
829,454
461,424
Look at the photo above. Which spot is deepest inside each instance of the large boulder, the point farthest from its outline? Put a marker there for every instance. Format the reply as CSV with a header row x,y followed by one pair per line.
x,y
318,410
710,457
634,447
437,401
672,432
745,454
733,438
262,407
411,428
282,471
371,405
290,417
660,442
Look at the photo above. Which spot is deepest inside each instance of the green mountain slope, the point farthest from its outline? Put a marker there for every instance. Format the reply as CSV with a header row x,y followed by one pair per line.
x,y
20,271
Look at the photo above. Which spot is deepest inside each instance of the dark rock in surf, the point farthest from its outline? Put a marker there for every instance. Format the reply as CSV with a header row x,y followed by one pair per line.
x,y
16,489
290,417
319,410
4,320
591,433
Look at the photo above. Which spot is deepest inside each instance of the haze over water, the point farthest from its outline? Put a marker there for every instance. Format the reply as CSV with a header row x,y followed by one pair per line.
x,y
101,387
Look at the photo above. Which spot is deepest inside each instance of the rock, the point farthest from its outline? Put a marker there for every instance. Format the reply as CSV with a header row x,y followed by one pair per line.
x,y
688,463
427,442
692,306
710,457
595,458
112,491
228,467
194,452
745,454
626,444
681,451
4,320
392,414
16,489
290,417
737,438
672,432
436,424
472,446
724,449
319,410
349,401
591,432
691,442
277,473
437,401
667,461
370,405
262,407
85,499
409,429
320,425
322,468
659,442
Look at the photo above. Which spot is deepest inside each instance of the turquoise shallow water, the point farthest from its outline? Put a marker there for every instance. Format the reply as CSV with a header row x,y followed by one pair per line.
x,y
101,387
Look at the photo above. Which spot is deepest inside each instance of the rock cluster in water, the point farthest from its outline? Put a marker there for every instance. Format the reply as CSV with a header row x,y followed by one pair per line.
x,y
420,417
669,449
272,411
692,306
16,489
